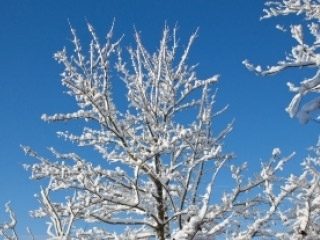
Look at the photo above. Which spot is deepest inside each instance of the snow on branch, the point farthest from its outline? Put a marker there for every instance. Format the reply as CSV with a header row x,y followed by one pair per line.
x,y
158,175
308,7
302,55
7,229
158,158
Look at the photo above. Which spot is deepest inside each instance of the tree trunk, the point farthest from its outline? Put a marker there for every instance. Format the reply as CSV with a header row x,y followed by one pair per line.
x,y
163,232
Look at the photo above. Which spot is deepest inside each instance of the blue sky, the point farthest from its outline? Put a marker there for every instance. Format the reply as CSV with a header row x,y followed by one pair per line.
x,y
230,31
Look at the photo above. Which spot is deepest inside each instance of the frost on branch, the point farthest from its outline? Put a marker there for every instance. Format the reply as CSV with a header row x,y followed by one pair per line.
x,y
7,229
302,55
157,162
301,218
158,175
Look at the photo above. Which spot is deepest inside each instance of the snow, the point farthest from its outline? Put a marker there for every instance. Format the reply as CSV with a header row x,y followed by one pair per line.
x,y
158,167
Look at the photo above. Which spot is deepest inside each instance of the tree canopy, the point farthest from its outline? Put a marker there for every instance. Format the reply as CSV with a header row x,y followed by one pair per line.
x,y
160,176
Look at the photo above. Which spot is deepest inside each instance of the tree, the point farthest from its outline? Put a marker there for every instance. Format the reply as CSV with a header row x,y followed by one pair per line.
x,y
162,172
302,219
303,55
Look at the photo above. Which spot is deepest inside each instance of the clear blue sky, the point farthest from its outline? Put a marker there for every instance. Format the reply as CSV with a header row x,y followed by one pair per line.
x,y
230,31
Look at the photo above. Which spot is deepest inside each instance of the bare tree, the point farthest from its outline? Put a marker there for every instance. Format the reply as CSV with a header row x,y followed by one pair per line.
x,y
162,172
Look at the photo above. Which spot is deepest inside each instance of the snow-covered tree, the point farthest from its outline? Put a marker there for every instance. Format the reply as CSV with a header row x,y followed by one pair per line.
x,y
158,172
7,230
302,219
303,55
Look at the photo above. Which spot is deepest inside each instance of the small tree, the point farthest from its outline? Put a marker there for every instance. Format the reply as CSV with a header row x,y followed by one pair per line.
x,y
302,55
162,171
